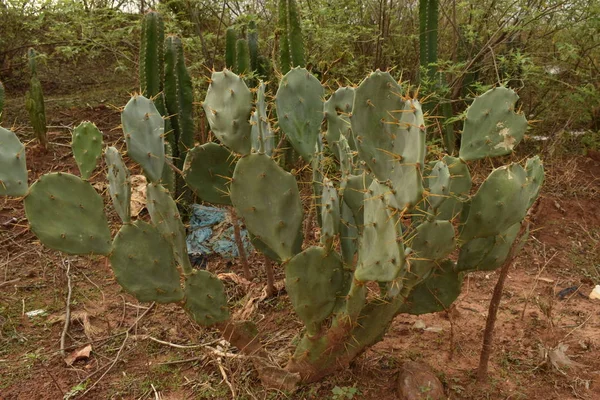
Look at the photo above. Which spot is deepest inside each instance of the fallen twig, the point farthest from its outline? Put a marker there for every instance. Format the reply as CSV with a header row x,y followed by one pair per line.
x,y
63,335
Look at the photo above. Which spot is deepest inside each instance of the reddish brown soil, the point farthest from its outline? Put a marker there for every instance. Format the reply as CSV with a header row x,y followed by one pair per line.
x,y
563,252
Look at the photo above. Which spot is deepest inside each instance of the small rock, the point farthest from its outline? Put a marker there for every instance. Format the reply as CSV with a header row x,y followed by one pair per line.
x,y
419,324
418,382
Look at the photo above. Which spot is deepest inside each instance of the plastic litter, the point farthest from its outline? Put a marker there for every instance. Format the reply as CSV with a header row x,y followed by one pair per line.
x,y
211,232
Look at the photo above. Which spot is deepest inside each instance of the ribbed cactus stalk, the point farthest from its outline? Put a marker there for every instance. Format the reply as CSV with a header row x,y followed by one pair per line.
x,y
152,58
242,61
295,33
230,50
285,60
409,215
253,45
428,34
34,102
179,95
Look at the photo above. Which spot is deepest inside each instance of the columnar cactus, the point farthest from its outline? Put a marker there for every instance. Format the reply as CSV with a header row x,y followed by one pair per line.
x,y
291,43
34,102
407,216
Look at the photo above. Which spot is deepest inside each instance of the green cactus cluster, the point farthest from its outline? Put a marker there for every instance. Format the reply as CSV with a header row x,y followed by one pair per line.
x,y
242,54
34,102
390,217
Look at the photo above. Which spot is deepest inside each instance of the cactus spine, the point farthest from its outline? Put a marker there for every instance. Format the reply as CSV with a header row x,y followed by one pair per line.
x,y
34,102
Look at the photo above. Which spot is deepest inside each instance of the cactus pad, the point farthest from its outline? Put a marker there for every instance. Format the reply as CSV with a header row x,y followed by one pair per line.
x,y
337,113
119,185
208,170
143,264
13,168
489,253
433,241
67,214
267,198
314,281
299,103
535,178
500,202
492,128
381,253
460,186
439,186
227,106
376,114
354,195
87,148
436,293
262,134
144,128
205,298
330,213
165,217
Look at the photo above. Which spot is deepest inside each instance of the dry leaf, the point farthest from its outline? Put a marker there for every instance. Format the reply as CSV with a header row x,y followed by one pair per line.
x,y
79,354
138,194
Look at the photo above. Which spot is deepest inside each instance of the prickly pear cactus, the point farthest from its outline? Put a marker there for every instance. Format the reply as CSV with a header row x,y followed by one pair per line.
x,y
391,220
228,105
143,127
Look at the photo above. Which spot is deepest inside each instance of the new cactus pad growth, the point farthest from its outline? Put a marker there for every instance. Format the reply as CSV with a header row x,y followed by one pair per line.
x,y
87,148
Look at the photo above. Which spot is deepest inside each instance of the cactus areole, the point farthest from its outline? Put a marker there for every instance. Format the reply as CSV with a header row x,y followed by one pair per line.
x,y
392,217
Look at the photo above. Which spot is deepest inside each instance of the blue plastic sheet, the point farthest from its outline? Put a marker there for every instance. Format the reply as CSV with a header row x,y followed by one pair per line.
x,y
211,232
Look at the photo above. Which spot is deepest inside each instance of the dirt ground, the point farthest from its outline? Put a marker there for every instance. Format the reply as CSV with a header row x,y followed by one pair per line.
x,y
141,352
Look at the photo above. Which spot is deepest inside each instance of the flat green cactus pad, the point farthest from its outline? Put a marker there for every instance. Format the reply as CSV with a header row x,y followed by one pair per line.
x,y
67,214
460,186
337,114
535,178
432,242
492,128
205,298
348,235
436,293
228,105
381,254
13,168
500,202
166,218
299,101
314,280
330,213
487,254
143,264
268,200
144,129
439,186
119,185
354,196
87,148
208,170
376,113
